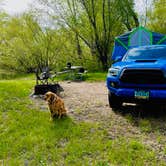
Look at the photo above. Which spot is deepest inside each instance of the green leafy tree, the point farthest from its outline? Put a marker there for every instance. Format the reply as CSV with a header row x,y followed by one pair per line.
x,y
95,22
26,46
157,17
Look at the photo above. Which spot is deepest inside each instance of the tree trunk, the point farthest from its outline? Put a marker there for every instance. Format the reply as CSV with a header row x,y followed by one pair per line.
x,y
78,46
103,58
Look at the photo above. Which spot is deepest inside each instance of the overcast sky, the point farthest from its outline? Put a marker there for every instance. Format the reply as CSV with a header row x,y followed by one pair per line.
x,y
16,6
19,6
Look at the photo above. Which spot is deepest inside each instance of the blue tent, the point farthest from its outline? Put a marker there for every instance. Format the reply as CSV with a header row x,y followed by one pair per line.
x,y
137,37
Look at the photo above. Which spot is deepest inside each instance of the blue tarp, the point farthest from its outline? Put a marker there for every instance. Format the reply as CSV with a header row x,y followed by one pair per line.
x,y
137,37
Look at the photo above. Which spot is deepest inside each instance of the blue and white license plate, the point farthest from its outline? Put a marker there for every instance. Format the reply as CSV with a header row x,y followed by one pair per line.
x,y
141,94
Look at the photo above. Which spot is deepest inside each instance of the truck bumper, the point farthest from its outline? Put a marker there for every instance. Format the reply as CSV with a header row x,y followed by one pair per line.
x,y
126,93
153,94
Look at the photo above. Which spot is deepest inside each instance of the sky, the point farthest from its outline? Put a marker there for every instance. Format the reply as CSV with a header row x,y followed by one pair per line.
x,y
18,6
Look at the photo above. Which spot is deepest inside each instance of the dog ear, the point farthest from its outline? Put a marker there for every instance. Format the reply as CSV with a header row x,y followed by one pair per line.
x,y
52,98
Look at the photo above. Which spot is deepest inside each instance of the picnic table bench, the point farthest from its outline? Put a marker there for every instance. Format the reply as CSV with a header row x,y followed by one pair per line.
x,y
76,72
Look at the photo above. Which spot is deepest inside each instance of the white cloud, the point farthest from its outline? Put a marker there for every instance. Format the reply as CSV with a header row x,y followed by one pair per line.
x,y
16,6
19,6
140,5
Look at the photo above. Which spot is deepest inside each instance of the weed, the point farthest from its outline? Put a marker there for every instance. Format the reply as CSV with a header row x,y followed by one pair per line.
x,y
145,125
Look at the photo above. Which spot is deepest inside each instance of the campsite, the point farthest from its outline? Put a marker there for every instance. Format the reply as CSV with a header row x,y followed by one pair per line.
x,y
77,52
91,135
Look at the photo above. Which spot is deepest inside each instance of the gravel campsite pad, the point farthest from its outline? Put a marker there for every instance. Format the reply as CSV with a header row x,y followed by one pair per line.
x,y
88,102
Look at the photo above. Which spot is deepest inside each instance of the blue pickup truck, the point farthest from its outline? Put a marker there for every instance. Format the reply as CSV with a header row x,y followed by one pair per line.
x,y
138,72
139,76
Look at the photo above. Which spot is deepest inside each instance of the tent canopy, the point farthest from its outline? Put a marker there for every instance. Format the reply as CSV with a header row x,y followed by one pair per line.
x,y
137,37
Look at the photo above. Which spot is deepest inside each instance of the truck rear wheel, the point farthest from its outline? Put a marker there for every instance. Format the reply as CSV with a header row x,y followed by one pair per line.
x,y
114,101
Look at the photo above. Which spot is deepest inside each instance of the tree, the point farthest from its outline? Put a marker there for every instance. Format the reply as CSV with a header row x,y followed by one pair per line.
x,y
80,31
128,16
157,17
26,46
95,22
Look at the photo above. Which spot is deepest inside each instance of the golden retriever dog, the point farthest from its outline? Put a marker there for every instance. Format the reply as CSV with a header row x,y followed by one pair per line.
x,y
55,104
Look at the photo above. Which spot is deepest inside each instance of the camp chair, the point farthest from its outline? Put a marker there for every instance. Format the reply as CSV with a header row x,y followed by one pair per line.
x,y
44,76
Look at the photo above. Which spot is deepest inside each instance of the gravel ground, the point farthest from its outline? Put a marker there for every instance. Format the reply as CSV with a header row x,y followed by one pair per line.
x,y
88,102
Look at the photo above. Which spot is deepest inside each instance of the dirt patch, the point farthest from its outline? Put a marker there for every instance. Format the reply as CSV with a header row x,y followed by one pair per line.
x,y
88,102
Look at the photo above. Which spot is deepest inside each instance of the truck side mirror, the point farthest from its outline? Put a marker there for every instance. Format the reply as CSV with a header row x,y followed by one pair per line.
x,y
117,59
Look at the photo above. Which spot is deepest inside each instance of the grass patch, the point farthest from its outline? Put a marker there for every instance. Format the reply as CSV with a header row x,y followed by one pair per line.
x,y
27,136
8,75
145,125
90,77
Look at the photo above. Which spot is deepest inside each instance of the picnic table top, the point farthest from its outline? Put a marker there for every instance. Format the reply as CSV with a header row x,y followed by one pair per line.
x,y
74,67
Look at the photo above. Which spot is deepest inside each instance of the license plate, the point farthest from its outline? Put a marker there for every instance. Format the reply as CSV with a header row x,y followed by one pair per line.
x,y
141,94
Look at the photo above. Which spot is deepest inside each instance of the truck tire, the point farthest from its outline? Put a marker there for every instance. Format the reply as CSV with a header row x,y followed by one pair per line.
x,y
114,101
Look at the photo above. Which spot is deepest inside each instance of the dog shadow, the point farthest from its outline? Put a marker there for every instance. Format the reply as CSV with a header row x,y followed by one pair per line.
x,y
147,117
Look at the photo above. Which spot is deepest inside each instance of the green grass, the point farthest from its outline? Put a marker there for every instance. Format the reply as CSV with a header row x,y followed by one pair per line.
x,y
28,137
90,77
8,75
